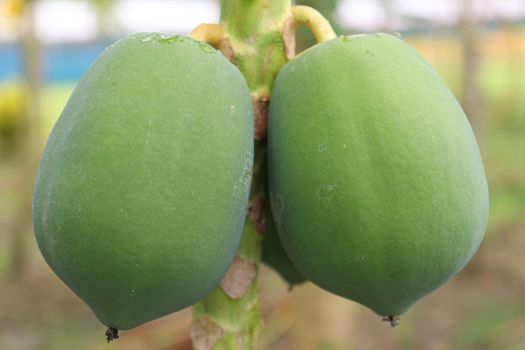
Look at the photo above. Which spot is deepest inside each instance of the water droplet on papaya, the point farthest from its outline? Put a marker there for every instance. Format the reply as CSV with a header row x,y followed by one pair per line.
x,y
206,47
167,39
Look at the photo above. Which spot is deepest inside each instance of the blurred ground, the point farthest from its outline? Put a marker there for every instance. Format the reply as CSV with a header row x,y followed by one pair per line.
x,y
483,308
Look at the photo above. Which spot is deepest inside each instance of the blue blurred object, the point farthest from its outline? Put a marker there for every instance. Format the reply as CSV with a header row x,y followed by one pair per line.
x,y
60,63
11,63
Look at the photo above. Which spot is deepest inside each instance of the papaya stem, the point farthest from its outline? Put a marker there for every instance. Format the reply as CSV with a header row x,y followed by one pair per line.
x,y
318,25
212,34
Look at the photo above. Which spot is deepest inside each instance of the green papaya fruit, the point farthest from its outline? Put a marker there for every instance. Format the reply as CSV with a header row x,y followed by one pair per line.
x,y
275,256
142,189
376,182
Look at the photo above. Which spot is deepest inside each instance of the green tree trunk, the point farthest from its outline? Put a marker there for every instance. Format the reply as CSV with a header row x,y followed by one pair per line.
x,y
258,39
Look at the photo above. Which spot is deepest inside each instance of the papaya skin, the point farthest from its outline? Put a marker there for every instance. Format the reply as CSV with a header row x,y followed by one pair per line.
x,y
142,189
376,182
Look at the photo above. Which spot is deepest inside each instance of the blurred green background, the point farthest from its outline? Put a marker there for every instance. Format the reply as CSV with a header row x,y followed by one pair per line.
x,y
478,47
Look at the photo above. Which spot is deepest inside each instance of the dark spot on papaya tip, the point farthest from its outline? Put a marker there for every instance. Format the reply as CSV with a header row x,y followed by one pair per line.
x,y
111,334
290,287
394,321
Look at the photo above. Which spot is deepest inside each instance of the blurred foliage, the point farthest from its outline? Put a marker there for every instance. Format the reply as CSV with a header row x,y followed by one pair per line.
x,y
12,102
11,12
15,8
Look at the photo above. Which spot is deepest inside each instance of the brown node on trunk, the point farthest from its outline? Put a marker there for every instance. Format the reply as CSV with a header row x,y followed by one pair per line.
x,y
256,215
205,333
238,278
260,116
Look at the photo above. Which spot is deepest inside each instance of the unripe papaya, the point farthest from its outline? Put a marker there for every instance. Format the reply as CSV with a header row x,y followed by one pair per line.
x,y
141,194
275,256
376,182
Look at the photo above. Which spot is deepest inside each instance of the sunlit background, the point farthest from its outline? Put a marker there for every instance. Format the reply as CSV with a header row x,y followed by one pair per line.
x,y
478,47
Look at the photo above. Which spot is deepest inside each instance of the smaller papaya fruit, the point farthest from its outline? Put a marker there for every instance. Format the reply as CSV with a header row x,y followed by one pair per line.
x,y
376,182
275,256
141,194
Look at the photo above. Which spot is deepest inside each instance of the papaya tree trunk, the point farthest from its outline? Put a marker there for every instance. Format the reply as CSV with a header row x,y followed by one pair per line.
x,y
27,142
258,38
471,94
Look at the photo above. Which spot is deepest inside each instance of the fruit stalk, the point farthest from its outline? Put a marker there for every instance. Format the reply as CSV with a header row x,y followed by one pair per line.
x,y
258,37
318,25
